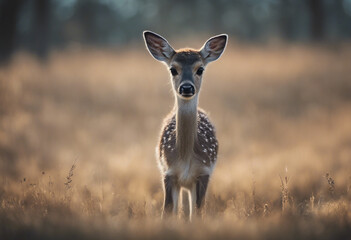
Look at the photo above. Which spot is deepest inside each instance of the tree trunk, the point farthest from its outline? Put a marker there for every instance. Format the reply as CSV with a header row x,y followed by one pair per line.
x,y
41,28
8,20
317,19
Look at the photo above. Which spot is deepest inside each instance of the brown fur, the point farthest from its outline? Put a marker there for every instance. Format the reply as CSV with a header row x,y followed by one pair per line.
x,y
186,56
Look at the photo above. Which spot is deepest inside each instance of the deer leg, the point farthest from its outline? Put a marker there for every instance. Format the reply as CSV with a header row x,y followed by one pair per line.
x,y
192,201
185,203
171,192
175,197
201,187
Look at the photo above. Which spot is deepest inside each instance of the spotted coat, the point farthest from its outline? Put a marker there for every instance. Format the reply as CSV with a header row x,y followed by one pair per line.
x,y
205,147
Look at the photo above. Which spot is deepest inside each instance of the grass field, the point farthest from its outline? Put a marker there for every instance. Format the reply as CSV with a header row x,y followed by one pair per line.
x,y
78,137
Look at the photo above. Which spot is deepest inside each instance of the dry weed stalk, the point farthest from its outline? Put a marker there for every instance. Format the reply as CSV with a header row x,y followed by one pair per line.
x,y
284,191
331,183
254,200
312,202
51,187
68,183
69,177
266,210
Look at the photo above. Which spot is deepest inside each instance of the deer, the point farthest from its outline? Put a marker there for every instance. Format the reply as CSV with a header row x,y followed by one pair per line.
x,y
187,148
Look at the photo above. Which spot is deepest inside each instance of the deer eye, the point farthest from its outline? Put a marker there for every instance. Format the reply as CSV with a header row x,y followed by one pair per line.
x,y
174,71
200,71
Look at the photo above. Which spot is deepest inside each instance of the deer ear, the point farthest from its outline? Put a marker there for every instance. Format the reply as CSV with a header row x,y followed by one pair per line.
x,y
158,47
214,47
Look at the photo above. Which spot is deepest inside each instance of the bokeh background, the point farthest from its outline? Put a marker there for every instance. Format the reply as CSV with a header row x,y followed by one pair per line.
x,y
42,25
82,102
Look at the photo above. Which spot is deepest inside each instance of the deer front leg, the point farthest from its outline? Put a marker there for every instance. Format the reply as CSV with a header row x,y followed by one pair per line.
x,y
201,187
198,193
171,192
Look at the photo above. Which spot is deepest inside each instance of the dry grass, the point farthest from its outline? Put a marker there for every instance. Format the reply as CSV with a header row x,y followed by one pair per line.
x,y
283,121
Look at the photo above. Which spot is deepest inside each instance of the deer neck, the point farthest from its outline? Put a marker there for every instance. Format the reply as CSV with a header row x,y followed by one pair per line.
x,y
186,126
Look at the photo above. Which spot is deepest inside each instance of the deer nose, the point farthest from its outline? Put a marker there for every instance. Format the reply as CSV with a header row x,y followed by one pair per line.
x,y
187,90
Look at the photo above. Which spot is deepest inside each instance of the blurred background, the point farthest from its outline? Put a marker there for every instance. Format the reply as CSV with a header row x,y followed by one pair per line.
x,y
82,102
41,25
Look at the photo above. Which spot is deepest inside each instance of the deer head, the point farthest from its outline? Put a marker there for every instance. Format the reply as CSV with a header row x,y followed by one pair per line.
x,y
186,66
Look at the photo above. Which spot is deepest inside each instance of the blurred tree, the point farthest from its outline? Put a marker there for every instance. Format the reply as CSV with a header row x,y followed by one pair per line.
x,y
317,19
9,13
41,28
286,19
38,25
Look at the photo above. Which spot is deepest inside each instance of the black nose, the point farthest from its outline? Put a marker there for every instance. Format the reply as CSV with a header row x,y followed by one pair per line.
x,y
186,90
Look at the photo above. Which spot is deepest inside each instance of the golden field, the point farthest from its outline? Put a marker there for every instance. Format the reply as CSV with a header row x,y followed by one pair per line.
x,y
78,136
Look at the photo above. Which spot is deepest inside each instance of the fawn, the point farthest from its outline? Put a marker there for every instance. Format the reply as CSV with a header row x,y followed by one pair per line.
x,y
187,150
